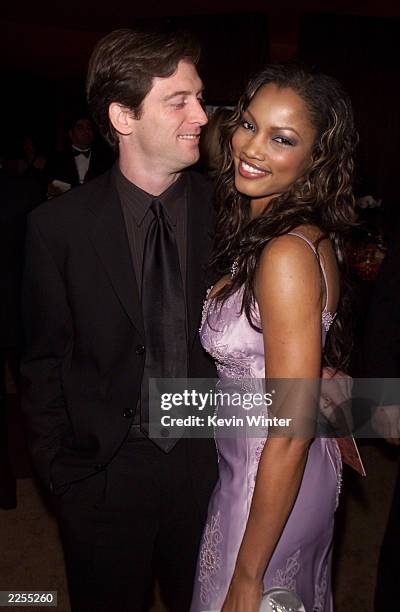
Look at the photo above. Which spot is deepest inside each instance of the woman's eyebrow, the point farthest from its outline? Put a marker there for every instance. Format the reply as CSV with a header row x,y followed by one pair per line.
x,y
287,127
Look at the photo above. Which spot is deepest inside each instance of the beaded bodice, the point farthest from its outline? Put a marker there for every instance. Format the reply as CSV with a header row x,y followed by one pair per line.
x,y
238,348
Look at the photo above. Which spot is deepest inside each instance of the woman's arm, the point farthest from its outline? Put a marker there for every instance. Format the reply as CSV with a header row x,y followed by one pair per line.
x,y
288,292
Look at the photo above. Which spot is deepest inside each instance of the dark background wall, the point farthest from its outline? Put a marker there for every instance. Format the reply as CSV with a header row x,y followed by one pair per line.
x,y
44,50
363,52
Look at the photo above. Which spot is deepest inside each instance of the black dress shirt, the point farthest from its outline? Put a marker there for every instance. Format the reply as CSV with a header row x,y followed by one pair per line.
x,y
135,205
137,214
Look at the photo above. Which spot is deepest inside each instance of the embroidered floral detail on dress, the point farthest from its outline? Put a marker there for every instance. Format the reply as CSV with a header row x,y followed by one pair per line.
x,y
234,368
237,366
234,268
339,470
210,558
255,460
320,592
258,451
204,312
327,319
287,577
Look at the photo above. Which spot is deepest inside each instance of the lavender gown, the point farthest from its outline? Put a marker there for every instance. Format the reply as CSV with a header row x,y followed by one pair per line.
x,y
302,558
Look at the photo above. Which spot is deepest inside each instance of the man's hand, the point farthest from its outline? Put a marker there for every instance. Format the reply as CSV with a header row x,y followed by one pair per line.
x,y
386,421
335,399
53,191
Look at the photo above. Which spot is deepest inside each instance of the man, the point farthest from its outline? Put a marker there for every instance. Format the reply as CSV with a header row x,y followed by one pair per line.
x,y
17,197
105,310
82,161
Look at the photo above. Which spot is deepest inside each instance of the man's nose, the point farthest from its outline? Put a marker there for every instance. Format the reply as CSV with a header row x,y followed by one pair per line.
x,y
198,113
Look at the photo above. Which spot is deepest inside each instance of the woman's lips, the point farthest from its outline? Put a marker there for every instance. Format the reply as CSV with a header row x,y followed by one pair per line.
x,y
249,171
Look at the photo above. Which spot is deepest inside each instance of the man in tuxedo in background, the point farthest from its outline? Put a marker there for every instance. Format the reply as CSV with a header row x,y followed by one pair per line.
x,y
113,291
18,196
83,160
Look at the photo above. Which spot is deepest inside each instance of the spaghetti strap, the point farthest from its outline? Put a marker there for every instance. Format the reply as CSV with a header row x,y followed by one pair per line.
x,y
321,265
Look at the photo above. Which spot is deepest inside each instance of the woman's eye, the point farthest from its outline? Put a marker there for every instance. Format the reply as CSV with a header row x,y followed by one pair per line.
x,y
248,126
284,141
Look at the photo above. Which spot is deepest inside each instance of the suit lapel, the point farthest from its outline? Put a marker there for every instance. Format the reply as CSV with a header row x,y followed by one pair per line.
x,y
111,243
198,250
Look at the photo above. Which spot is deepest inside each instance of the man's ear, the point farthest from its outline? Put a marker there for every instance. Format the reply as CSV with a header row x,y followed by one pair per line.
x,y
122,118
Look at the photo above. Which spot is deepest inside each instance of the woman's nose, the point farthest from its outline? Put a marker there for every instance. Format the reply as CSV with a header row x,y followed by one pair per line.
x,y
255,148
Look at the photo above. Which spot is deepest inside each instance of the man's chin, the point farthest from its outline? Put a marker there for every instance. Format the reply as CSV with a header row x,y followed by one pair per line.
x,y
186,164
193,159
184,161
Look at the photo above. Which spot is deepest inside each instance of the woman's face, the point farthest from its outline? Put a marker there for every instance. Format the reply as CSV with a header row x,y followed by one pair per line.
x,y
272,145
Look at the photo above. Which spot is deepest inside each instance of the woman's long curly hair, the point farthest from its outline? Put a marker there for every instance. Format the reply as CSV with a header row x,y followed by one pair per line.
x,y
322,197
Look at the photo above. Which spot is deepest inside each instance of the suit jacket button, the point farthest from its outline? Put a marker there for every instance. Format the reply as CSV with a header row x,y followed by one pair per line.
x,y
128,413
99,466
139,350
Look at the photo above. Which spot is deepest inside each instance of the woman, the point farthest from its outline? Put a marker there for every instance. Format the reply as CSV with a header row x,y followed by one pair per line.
x,y
286,204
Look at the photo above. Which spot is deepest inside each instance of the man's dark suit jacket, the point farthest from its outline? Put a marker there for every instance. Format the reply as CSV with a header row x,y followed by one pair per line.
x,y
85,340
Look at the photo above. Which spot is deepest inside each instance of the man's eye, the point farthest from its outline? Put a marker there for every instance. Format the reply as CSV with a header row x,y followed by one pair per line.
x,y
248,126
284,141
179,104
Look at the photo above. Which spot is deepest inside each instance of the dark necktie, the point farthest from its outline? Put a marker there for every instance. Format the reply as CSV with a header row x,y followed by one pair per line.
x,y
164,314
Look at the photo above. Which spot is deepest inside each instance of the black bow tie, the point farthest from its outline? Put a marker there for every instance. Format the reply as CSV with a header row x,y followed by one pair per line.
x,y
77,152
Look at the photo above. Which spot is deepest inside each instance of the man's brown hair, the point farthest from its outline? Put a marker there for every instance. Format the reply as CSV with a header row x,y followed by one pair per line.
x,y
123,65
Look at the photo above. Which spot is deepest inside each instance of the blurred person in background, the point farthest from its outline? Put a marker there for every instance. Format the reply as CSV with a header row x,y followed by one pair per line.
x,y
18,195
382,360
84,158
